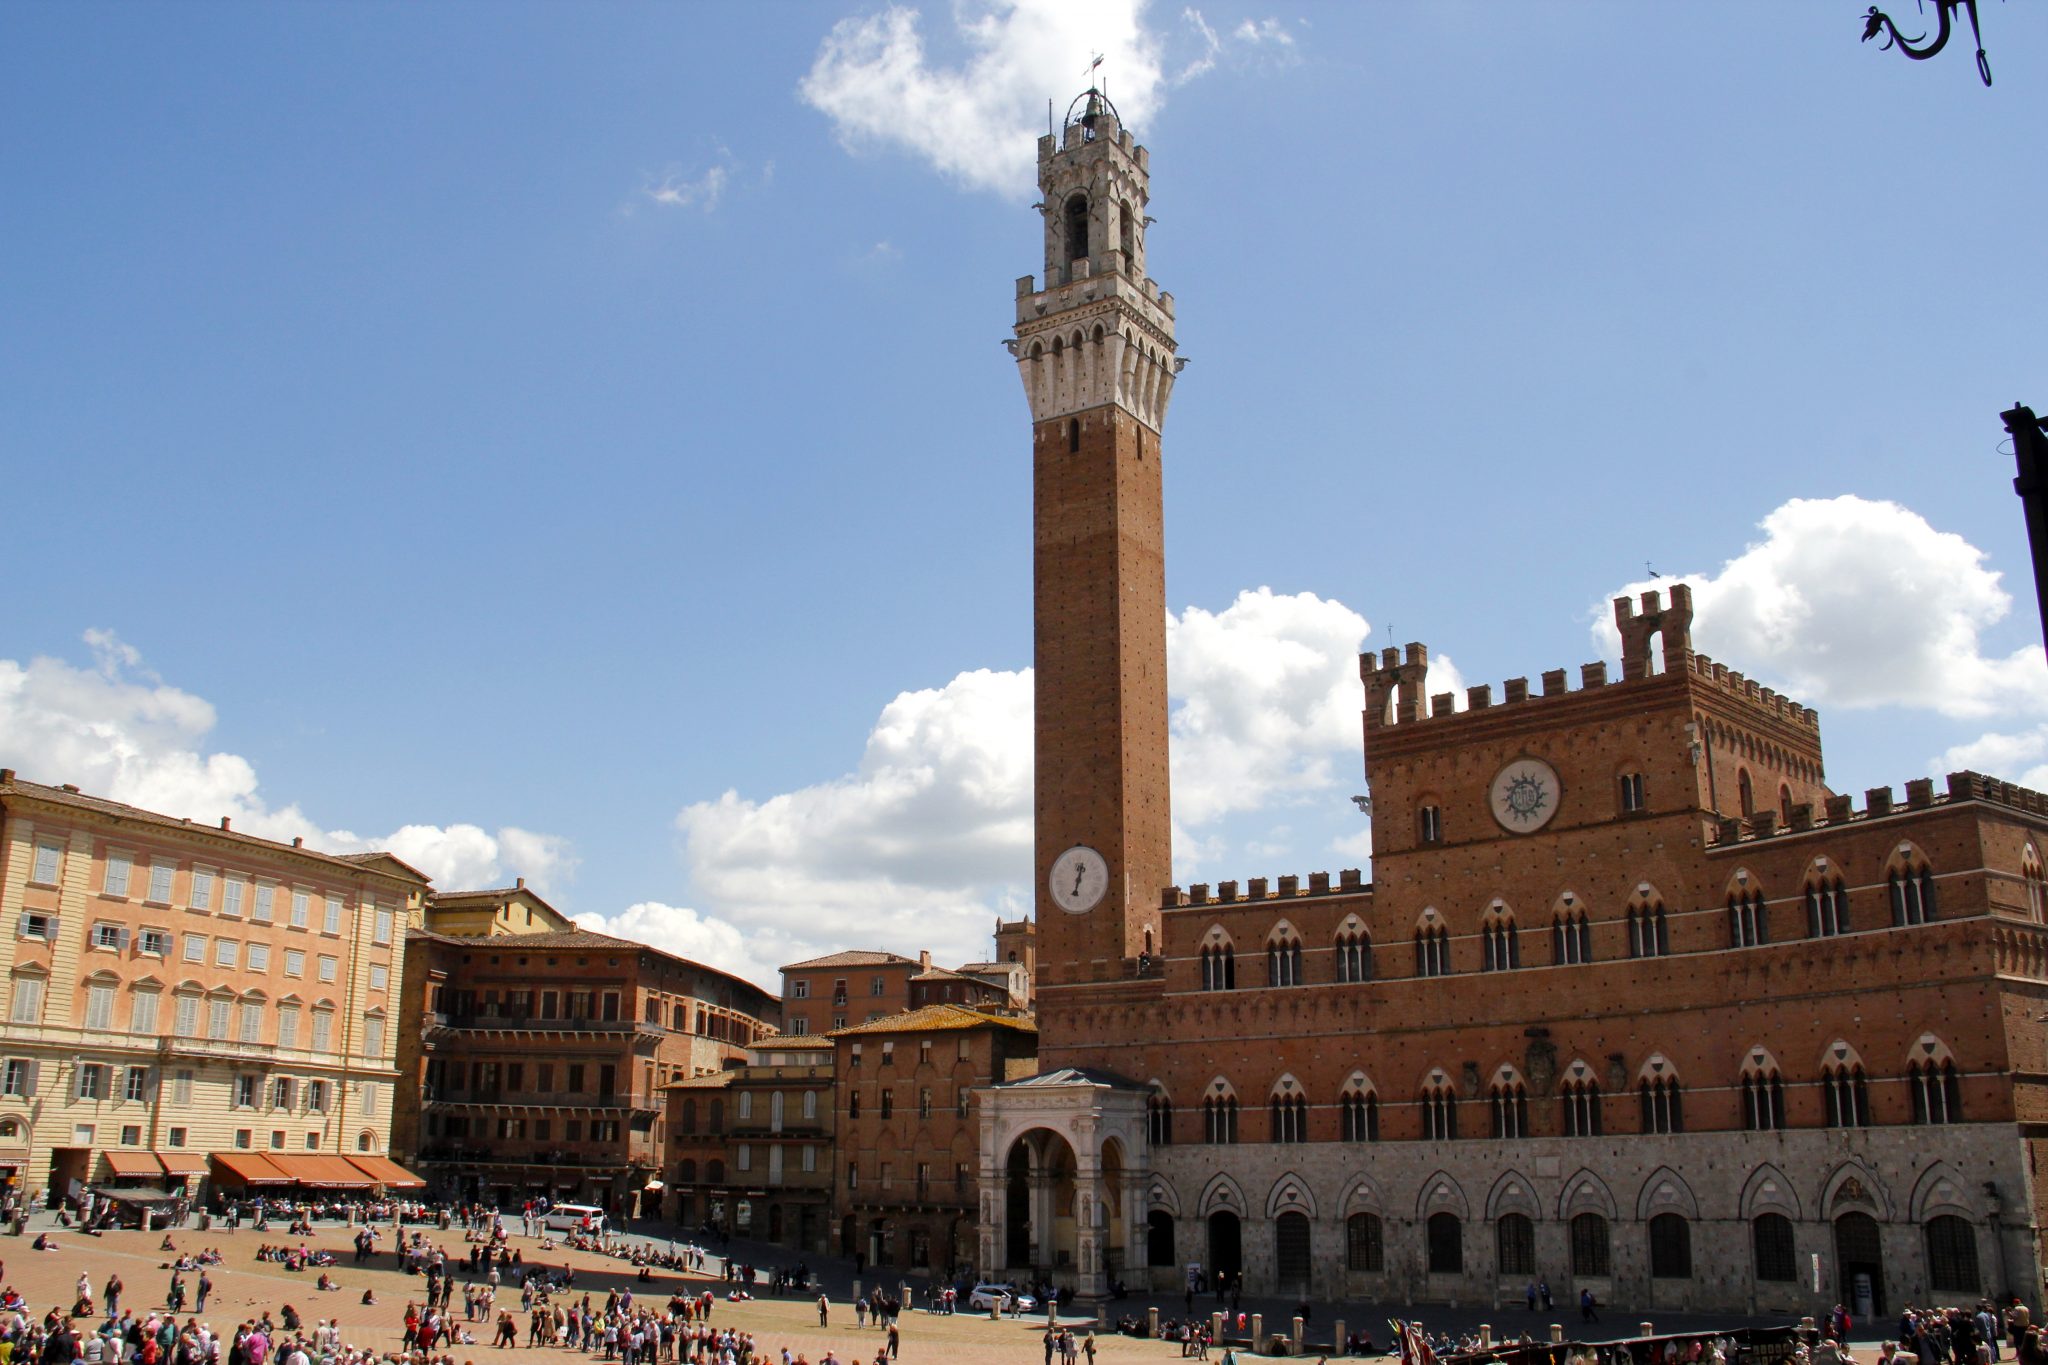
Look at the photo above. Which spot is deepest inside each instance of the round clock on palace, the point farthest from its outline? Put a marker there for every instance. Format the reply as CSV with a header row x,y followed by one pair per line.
x,y
1078,880
1524,795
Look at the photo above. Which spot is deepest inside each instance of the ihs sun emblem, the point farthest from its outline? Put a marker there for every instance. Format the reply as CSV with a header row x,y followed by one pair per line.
x,y
1525,797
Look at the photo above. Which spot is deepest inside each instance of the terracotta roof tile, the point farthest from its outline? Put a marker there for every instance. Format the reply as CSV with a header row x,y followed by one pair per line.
x,y
853,957
937,1019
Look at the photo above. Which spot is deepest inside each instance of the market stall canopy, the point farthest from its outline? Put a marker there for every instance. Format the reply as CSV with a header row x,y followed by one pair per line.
x,y
182,1163
132,1163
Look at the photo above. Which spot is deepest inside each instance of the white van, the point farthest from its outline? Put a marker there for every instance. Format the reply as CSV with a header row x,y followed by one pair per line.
x,y
573,1218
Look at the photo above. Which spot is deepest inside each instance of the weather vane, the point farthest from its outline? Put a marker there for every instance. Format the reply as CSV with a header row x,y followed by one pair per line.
x,y
1919,49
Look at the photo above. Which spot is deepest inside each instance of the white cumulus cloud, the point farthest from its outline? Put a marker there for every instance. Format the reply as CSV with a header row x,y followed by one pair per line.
x,y
976,111
977,116
116,730
2020,757
929,839
1851,602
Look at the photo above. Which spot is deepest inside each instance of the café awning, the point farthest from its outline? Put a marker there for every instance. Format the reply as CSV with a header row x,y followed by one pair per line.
x,y
250,1168
132,1164
323,1172
387,1173
176,1164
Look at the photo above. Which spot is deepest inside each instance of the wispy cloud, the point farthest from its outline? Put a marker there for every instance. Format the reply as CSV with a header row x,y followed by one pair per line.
x,y
679,189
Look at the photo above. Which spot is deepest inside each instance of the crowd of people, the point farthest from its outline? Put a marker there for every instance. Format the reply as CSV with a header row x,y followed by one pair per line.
x,y
653,1327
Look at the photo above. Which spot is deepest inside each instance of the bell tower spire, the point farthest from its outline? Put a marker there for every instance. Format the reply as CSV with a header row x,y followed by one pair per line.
x,y
1095,349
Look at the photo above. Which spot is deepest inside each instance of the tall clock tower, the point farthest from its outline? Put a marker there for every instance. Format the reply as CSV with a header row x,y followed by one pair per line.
x,y
1095,348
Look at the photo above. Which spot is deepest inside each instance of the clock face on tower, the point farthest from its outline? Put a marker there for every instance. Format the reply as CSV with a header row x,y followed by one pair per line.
x,y
1078,879
1524,795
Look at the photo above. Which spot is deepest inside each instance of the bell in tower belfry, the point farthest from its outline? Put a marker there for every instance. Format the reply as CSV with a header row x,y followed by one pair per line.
x,y
1095,349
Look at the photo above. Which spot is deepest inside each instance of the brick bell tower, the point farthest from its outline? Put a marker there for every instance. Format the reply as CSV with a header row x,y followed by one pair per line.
x,y
1095,349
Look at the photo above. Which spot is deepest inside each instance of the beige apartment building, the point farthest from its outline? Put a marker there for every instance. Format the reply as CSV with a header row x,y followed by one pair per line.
x,y
185,1003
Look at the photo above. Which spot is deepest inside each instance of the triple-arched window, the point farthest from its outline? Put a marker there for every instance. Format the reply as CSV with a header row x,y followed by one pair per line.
x,y
1581,1104
1844,1091
1649,935
1763,1093
1219,966
1502,942
1432,948
1358,1109
1509,1101
1354,953
1909,882
1219,1116
1283,958
1288,1108
1439,1110
1935,1084
1827,903
1749,919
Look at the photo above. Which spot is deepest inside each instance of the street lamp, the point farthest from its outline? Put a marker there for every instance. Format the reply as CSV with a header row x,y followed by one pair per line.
x,y
2030,452
1919,49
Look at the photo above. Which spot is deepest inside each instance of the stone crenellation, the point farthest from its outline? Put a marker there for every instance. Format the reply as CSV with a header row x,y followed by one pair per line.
x,y
1878,802
1350,882
1394,678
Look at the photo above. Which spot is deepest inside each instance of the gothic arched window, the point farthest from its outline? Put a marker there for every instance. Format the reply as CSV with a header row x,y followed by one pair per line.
x,y
1077,227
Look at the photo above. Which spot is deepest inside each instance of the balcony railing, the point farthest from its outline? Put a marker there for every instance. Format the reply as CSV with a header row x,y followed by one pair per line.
x,y
533,1023
464,1155
448,1097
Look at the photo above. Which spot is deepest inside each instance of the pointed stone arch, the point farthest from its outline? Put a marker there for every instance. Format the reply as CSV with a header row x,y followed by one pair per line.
x,y
1363,1195
1769,1190
1282,932
1665,1191
1217,937
1742,882
1222,1195
1512,1193
1942,1189
1441,1193
1853,1187
1841,1053
1586,1192
1290,1194
1929,1047
1163,1196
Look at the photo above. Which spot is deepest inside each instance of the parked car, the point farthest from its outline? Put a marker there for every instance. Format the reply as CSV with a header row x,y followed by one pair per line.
x,y
1007,1297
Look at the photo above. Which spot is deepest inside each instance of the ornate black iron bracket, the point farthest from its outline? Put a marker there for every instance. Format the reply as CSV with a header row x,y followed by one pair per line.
x,y
1878,23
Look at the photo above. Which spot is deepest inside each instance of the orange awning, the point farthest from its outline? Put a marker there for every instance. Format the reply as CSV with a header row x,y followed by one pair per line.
x,y
182,1163
132,1163
329,1172
387,1173
250,1168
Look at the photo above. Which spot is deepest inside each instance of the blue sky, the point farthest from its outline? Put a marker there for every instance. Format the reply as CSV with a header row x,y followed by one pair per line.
x,y
572,441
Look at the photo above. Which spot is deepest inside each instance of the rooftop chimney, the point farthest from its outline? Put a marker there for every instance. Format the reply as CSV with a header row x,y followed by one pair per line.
x,y
519,883
298,841
924,959
224,822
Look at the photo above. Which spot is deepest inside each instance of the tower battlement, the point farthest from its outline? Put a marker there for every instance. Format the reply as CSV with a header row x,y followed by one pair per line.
x,y
1878,802
1350,882
1395,679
